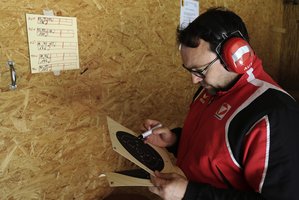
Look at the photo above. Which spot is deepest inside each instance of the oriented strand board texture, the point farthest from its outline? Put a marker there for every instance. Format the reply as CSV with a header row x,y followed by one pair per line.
x,y
289,72
53,134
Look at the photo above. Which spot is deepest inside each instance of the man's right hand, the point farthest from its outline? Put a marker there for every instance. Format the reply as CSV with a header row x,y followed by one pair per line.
x,y
161,137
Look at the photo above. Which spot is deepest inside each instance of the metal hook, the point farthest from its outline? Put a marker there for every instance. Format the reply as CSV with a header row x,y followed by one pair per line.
x,y
13,74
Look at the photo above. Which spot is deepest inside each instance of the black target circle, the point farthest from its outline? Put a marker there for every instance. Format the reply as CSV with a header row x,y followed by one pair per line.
x,y
144,153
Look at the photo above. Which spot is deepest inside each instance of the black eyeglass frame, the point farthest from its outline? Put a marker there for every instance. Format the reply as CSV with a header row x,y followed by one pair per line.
x,y
200,72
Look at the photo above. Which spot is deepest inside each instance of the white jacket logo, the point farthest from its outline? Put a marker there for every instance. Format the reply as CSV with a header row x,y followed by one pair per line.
x,y
225,107
204,98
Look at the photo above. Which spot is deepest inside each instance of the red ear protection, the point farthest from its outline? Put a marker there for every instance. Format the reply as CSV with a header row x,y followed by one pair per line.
x,y
237,55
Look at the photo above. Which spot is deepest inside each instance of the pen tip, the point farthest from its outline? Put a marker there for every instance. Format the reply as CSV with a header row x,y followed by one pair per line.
x,y
140,137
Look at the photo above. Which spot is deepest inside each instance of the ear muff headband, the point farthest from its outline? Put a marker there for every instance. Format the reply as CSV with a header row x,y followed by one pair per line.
x,y
235,53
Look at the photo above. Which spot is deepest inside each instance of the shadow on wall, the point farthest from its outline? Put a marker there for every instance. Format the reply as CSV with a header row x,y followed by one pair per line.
x,y
126,197
132,193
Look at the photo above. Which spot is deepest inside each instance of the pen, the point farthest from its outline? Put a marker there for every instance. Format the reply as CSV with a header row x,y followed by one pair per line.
x,y
149,132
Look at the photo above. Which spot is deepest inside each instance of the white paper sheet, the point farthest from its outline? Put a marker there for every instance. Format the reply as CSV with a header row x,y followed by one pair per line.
x,y
53,43
189,11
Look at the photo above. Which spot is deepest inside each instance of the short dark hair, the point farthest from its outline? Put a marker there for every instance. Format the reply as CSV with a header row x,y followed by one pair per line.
x,y
211,26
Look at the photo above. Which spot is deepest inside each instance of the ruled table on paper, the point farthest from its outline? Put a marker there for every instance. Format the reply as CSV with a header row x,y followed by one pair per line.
x,y
53,43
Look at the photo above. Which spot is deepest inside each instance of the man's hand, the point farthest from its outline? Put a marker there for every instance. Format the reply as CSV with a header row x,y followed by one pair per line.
x,y
169,186
161,137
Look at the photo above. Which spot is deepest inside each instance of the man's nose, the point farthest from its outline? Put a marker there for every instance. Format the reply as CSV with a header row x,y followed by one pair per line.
x,y
195,79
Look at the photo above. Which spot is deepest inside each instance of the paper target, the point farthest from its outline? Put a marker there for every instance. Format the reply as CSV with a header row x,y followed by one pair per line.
x,y
144,153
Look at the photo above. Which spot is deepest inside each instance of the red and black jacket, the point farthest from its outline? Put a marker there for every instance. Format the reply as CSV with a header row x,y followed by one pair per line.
x,y
242,143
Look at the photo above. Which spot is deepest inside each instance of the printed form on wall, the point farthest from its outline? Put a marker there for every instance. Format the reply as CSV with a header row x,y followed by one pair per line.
x,y
53,43
189,11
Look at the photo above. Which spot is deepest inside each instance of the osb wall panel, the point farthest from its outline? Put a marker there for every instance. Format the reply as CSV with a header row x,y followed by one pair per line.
x,y
289,71
54,138
53,134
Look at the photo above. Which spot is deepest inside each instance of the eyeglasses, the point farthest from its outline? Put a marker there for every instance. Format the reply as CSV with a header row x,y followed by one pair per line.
x,y
200,72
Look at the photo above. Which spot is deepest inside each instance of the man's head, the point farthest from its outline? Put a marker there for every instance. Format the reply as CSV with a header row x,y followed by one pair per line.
x,y
211,26
202,42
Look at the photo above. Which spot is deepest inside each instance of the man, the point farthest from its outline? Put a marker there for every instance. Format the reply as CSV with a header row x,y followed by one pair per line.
x,y
240,139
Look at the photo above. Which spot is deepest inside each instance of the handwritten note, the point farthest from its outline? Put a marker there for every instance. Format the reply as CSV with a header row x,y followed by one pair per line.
x,y
189,11
53,43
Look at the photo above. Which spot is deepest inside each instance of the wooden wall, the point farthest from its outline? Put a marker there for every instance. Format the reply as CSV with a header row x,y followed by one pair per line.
x,y
53,135
289,70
